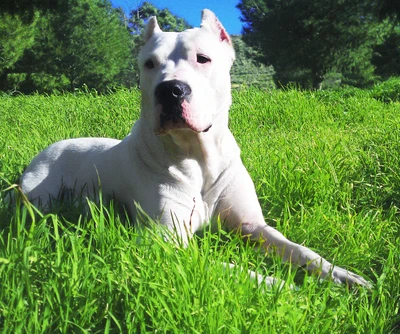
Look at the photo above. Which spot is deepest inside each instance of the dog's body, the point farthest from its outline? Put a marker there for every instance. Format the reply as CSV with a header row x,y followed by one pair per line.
x,y
180,162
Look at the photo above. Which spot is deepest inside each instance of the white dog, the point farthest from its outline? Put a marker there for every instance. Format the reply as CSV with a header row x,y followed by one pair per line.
x,y
180,162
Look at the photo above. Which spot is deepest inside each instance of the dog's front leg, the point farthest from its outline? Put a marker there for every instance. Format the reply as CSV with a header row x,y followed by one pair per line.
x,y
273,240
240,210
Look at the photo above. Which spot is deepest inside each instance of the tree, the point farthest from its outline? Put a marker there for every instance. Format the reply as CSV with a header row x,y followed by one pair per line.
x,y
388,9
18,30
166,20
16,36
387,55
312,38
78,42
247,70
93,46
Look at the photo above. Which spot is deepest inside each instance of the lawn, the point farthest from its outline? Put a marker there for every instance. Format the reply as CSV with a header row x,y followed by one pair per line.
x,y
326,166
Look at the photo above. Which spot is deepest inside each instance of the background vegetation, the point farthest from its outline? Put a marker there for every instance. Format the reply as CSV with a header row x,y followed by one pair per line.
x,y
306,40
69,44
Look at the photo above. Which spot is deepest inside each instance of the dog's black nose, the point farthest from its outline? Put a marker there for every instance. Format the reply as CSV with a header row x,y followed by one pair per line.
x,y
172,92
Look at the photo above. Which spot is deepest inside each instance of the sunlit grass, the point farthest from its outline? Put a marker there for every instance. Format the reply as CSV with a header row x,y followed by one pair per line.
x,y
327,172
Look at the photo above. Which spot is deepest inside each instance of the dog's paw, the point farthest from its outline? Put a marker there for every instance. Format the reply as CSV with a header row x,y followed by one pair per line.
x,y
343,276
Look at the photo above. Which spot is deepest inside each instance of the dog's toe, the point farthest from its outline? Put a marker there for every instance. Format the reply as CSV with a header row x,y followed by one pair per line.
x,y
343,276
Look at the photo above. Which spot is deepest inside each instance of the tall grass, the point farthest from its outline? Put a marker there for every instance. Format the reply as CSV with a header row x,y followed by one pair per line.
x,y
327,172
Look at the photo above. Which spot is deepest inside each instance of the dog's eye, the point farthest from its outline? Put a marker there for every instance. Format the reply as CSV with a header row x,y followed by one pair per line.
x,y
149,64
202,59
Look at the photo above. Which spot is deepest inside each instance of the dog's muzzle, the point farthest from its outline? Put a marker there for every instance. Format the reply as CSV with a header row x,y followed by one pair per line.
x,y
174,99
170,95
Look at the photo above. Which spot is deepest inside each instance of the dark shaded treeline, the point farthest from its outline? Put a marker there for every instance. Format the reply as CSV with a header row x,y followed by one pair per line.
x,y
67,44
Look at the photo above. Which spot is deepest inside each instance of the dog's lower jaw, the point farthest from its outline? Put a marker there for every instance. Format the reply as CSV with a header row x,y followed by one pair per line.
x,y
167,124
163,131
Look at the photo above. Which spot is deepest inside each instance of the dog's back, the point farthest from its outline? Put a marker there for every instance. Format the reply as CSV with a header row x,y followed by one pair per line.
x,y
58,168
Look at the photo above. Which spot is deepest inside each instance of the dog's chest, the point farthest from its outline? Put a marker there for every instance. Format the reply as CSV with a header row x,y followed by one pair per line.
x,y
187,175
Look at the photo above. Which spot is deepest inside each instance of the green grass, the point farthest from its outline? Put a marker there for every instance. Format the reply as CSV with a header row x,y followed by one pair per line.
x,y
326,167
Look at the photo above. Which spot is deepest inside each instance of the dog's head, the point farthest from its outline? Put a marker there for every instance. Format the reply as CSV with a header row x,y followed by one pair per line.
x,y
184,77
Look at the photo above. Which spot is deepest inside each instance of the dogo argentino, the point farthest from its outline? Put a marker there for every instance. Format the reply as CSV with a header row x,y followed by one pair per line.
x,y
180,159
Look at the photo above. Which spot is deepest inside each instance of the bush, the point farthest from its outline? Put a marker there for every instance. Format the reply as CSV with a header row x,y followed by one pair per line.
x,y
387,91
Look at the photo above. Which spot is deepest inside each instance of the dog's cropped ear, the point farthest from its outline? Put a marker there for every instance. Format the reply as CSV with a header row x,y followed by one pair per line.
x,y
152,27
211,22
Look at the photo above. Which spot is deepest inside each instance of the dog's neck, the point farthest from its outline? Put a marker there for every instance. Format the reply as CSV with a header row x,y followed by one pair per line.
x,y
203,151
186,151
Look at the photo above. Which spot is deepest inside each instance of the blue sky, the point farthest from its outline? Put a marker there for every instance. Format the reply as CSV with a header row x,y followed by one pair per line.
x,y
226,10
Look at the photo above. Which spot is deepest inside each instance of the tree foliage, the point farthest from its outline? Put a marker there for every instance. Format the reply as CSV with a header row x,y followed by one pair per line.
x,y
305,39
16,36
387,55
76,43
247,70
388,9
67,44
166,20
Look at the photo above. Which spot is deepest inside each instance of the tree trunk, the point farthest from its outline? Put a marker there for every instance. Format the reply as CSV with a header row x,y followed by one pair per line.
x,y
317,80
317,76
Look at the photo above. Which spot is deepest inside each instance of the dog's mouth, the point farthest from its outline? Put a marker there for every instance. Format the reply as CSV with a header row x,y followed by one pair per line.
x,y
176,121
171,114
179,117
206,130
